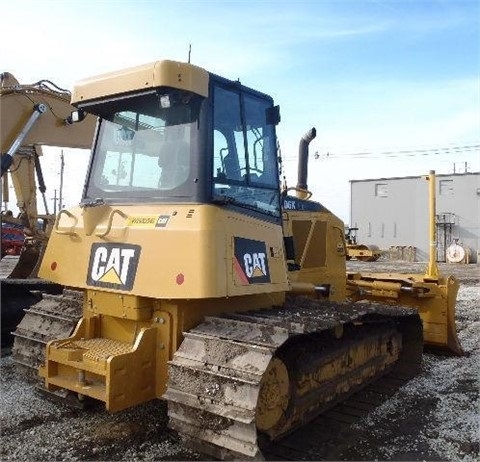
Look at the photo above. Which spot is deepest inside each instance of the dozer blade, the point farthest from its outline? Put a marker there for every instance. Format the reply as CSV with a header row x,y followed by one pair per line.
x,y
434,298
438,316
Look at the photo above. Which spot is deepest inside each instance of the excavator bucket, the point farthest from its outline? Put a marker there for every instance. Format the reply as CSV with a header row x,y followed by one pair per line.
x,y
434,298
28,261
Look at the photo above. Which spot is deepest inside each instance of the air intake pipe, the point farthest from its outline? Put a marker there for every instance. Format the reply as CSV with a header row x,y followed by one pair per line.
x,y
303,159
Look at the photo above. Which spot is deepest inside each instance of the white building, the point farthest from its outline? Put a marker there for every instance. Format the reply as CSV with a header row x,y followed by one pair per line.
x,y
392,213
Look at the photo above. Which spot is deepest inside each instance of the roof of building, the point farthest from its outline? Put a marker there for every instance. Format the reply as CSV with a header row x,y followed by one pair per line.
x,y
443,175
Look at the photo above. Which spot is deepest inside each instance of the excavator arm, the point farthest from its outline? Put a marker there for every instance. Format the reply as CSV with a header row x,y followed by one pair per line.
x,y
33,116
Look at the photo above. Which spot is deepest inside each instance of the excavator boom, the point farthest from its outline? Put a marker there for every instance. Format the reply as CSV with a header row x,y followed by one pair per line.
x,y
33,116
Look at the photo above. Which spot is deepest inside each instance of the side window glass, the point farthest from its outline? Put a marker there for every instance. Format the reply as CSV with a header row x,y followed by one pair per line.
x,y
261,144
220,153
242,161
228,146
244,157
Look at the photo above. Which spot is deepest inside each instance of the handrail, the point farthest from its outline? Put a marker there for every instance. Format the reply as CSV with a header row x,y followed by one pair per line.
x,y
110,221
57,221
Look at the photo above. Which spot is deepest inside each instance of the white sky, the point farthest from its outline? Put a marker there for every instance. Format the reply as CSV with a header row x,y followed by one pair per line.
x,y
372,77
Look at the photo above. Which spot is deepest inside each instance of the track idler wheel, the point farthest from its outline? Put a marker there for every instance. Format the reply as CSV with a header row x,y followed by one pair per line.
x,y
273,396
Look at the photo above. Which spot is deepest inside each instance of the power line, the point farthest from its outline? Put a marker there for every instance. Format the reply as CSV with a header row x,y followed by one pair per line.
x,y
405,152
396,153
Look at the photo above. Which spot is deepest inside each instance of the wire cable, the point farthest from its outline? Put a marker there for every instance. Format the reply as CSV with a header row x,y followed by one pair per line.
x,y
395,153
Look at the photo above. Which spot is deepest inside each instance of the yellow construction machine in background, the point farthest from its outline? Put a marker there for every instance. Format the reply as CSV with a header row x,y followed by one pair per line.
x,y
206,285
361,252
34,116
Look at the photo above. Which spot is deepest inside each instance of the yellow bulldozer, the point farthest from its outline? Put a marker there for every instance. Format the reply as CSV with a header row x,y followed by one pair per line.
x,y
200,281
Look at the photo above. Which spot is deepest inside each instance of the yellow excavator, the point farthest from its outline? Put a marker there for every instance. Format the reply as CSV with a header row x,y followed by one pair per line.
x,y
32,116
203,283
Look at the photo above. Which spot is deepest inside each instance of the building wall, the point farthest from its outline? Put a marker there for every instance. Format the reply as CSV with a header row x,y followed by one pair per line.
x,y
394,212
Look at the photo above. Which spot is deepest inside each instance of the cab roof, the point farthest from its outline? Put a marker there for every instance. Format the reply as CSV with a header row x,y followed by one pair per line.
x,y
167,73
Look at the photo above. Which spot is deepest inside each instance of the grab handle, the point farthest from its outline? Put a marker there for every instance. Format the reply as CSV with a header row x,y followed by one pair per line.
x,y
69,215
110,221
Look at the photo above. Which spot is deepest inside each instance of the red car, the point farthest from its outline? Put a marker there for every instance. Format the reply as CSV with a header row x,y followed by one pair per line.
x,y
12,239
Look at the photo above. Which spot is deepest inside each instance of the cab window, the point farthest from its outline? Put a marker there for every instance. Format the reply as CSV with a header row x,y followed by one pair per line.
x,y
244,167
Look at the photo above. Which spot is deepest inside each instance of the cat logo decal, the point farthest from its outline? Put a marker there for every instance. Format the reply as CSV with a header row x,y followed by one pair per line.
x,y
113,265
251,261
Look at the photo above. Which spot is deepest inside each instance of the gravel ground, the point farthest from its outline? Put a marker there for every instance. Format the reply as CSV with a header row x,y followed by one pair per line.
x,y
434,417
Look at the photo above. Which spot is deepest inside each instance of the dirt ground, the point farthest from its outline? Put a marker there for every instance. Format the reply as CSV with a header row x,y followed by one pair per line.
x,y
434,417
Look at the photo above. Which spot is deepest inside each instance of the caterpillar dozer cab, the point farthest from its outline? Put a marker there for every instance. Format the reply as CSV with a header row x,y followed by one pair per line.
x,y
203,282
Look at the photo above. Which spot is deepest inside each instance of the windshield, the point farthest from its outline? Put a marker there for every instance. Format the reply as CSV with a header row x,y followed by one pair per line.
x,y
144,146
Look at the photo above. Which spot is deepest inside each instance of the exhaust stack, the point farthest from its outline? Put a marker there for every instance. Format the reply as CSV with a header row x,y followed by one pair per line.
x,y
302,188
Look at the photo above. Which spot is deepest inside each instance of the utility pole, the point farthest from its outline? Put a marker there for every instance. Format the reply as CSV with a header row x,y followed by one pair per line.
x,y
5,192
55,202
62,167
455,167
